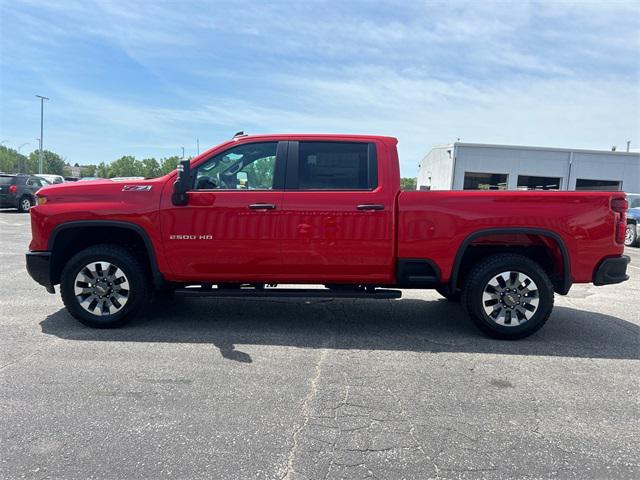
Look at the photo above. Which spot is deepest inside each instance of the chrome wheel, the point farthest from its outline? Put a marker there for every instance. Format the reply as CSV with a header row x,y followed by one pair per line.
x,y
510,298
25,204
101,288
629,235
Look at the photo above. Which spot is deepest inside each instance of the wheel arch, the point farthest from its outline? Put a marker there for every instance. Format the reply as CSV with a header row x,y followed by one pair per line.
x,y
562,284
67,238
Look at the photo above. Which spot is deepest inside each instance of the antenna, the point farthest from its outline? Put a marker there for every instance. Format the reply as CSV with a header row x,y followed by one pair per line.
x,y
240,134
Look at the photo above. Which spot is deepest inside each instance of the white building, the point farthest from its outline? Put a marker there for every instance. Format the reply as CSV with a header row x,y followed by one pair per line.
x,y
473,166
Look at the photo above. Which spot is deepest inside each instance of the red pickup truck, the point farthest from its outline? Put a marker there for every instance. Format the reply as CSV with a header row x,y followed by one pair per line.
x,y
263,210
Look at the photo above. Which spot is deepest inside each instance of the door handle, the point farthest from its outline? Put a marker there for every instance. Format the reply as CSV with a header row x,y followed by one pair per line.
x,y
262,206
370,207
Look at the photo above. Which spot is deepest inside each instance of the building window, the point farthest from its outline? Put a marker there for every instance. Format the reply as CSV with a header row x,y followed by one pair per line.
x,y
603,185
485,181
529,182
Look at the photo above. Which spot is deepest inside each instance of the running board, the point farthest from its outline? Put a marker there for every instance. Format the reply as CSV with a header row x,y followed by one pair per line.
x,y
378,294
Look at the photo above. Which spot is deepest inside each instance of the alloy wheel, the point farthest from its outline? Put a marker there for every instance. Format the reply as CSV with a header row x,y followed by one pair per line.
x,y
101,288
510,298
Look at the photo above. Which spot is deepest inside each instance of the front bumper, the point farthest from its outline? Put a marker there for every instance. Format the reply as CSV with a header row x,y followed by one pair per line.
x,y
38,266
612,270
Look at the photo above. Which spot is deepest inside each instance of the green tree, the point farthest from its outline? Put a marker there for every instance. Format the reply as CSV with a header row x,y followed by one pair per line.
x,y
168,164
102,170
408,183
11,161
88,170
126,166
150,168
52,163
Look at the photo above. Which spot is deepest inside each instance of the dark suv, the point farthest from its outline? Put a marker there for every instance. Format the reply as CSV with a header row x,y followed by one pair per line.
x,y
19,191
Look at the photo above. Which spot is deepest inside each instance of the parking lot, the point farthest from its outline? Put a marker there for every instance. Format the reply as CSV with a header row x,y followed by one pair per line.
x,y
205,388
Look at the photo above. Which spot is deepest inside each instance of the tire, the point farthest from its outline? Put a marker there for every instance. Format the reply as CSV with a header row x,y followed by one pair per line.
x,y
119,294
24,204
452,297
631,235
500,300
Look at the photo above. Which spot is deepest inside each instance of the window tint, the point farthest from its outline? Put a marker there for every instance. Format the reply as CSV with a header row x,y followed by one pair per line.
x,y
336,166
603,185
485,181
529,182
244,167
6,180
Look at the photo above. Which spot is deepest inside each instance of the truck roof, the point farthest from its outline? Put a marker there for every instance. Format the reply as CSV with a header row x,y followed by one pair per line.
x,y
318,136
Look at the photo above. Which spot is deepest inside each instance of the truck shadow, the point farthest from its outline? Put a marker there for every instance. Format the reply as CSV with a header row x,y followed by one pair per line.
x,y
408,324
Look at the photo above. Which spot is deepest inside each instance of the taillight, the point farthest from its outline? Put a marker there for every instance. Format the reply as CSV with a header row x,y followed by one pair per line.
x,y
620,206
13,189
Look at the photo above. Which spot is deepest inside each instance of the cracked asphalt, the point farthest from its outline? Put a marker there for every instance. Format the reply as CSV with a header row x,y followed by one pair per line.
x,y
321,389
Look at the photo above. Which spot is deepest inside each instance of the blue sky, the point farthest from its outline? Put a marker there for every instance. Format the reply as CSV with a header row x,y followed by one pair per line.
x,y
146,78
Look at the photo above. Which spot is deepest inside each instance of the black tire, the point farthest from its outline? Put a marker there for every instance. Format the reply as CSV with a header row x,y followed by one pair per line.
x,y
631,235
25,203
487,271
452,297
138,282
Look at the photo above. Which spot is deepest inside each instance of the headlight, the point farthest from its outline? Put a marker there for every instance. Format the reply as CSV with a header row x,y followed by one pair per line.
x,y
41,199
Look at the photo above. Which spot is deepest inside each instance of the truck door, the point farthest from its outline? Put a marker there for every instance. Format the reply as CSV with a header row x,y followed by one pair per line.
x,y
337,214
228,231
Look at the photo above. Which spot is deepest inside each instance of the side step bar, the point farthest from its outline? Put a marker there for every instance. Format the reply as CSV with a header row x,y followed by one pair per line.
x,y
378,294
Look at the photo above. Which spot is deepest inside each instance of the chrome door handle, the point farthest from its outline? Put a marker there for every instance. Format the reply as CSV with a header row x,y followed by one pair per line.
x,y
262,206
370,207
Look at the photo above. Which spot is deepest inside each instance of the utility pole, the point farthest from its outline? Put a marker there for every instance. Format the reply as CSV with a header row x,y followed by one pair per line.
x,y
628,144
42,99
182,153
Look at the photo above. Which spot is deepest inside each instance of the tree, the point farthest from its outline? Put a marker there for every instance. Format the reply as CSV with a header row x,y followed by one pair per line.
x,y
126,166
102,170
150,168
52,163
88,170
11,161
408,183
168,164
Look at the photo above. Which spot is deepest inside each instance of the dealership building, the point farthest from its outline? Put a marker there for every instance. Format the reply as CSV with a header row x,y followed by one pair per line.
x,y
474,166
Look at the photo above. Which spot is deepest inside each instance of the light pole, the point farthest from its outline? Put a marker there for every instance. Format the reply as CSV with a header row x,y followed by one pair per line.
x,y
42,99
24,144
182,153
198,145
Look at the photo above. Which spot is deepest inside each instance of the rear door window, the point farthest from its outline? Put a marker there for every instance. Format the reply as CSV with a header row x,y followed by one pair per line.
x,y
333,166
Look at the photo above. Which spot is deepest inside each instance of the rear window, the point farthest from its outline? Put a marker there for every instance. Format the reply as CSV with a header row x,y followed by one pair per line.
x,y
6,180
336,166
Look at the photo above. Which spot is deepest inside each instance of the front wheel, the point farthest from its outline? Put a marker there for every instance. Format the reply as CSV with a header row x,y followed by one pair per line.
x,y
508,296
631,235
104,286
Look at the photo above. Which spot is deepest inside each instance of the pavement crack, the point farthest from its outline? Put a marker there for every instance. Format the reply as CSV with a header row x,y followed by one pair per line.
x,y
306,415
18,360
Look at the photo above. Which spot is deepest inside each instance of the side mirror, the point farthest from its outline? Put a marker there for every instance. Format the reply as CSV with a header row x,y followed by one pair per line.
x,y
182,183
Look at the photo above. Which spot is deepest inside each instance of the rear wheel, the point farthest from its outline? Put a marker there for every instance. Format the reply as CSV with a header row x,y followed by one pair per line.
x,y
508,296
24,204
104,286
631,235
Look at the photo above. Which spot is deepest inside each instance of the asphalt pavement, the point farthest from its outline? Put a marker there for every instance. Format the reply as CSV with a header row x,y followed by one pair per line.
x,y
320,389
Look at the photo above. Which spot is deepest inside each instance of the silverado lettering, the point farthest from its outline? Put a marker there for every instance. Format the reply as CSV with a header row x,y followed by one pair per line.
x,y
324,210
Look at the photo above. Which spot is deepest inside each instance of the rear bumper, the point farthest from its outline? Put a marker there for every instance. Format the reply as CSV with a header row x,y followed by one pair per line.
x,y
612,270
38,266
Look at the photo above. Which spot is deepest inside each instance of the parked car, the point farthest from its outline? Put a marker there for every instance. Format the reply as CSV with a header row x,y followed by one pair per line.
x,y
54,179
19,191
319,209
632,237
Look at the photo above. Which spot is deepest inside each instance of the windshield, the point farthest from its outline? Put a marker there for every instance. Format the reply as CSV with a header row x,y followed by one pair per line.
x,y
634,201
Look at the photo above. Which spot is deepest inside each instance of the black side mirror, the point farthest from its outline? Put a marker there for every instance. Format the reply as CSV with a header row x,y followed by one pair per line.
x,y
182,183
